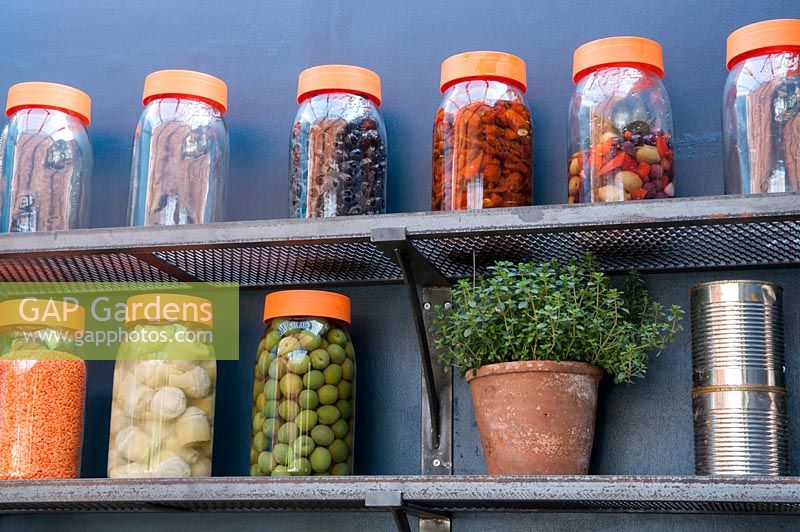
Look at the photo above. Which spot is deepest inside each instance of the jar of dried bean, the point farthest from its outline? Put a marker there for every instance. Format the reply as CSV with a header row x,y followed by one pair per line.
x,y
45,158
338,144
483,135
304,388
761,108
180,150
620,123
42,389
162,413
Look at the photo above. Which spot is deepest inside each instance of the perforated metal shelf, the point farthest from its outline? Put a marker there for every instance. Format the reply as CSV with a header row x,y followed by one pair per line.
x,y
664,235
416,495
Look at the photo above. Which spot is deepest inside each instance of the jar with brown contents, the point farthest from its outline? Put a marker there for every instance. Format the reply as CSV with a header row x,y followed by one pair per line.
x,y
482,137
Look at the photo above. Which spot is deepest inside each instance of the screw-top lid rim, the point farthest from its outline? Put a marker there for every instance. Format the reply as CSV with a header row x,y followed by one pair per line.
x,y
344,78
483,64
318,303
186,83
617,50
51,96
776,33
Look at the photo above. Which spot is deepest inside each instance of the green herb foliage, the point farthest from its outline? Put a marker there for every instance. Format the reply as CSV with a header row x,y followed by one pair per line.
x,y
553,311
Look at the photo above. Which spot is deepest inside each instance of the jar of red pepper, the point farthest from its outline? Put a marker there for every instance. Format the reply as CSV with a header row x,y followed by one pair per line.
x,y
482,137
620,123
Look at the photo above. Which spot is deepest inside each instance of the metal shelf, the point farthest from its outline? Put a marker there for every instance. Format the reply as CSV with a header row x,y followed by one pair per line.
x,y
417,495
663,235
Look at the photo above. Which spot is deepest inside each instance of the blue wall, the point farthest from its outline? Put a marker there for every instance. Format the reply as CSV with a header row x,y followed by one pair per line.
x,y
106,47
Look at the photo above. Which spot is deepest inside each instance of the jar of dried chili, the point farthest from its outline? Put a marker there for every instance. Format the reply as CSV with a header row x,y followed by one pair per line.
x,y
482,137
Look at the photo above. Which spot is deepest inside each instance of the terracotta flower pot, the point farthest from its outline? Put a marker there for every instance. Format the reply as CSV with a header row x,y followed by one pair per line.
x,y
536,418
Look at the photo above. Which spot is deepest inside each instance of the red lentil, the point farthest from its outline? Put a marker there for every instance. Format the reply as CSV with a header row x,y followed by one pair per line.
x,y
41,415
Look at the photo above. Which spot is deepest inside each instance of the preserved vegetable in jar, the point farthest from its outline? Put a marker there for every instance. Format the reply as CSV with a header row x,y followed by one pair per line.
x,y
483,134
620,123
338,144
761,108
42,389
304,389
180,150
162,413
45,158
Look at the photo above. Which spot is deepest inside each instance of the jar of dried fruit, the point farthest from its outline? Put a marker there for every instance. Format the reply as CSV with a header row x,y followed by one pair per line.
x,y
162,411
482,137
42,389
338,144
45,158
620,123
761,108
180,150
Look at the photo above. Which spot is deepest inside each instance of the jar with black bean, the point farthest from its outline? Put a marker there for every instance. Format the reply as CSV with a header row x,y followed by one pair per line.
x,y
338,144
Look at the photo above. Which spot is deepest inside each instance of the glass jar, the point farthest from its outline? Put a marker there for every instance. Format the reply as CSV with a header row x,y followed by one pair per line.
x,y
620,123
45,158
42,389
761,108
304,392
483,134
162,414
180,150
338,145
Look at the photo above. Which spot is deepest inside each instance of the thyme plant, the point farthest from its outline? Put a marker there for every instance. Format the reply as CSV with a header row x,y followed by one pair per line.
x,y
554,311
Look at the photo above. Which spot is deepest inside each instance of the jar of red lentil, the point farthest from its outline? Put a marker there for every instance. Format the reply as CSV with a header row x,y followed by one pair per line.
x,y
162,410
304,389
761,108
483,135
42,389
620,123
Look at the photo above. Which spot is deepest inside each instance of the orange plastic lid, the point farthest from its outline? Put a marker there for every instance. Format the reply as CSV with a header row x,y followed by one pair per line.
x,y
345,78
611,50
31,312
762,35
289,303
160,308
49,95
483,65
186,83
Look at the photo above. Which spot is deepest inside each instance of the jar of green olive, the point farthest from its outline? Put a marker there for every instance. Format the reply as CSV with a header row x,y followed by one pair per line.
x,y
304,390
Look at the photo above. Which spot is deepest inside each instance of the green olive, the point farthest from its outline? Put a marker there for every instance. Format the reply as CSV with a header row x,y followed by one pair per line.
x,y
306,420
323,435
348,370
260,400
349,350
291,385
263,363
349,441
303,446
289,409
344,408
320,359
328,414
309,341
328,394
271,389
281,453
333,374
272,340
287,345
340,429
324,344
300,466
313,379
339,451
308,399
337,336
255,470
345,389
340,470
298,362
336,353
277,369
265,462
260,442
258,422
254,454
270,408
281,471
288,432
320,459
271,427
